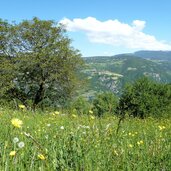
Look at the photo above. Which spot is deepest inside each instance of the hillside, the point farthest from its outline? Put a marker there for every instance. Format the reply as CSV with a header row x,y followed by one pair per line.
x,y
155,55
112,73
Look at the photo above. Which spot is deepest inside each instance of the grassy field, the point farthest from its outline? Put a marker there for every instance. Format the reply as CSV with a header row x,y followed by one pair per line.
x,y
56,141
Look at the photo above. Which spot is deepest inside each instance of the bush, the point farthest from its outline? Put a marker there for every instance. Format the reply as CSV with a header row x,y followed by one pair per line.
x,y
145,98
81,105
105,103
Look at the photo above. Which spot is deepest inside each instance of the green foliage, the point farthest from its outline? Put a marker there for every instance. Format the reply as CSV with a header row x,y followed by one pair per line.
x,y
82,144
37,62
145,98
159,55
81,105
105,103
113,73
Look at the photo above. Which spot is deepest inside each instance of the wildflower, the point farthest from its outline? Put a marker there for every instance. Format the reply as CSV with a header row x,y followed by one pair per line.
x,y
90,111
12,153
41,157
140,142
130,145
115,152
62,127
161,127
92,117
56,112
21,144
15,140
74,116
16,122
48,125
129,133
21,106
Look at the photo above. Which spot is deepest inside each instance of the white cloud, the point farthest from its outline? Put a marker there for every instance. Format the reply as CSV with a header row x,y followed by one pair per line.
x,y
138,25
116,33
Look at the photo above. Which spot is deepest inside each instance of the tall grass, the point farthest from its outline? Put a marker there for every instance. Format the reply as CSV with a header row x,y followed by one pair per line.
x,y
55,141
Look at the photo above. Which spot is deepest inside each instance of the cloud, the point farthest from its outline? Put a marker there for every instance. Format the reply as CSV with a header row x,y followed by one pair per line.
x,y
116,33
138,25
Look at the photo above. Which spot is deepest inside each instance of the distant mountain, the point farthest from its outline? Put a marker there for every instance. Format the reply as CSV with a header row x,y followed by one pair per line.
x,y
159,55
111,73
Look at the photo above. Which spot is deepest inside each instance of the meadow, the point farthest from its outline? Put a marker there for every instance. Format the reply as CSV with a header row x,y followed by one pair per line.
x,y
49,141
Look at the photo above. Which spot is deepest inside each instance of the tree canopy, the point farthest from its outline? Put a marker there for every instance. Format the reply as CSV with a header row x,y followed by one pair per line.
x,y
145,98
105,103
37,62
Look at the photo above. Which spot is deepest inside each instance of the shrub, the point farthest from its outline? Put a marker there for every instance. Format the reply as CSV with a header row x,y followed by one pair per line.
x,y
81,105
145,98
105,103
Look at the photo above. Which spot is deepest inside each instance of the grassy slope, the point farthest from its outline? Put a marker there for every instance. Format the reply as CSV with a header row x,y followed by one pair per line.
x,y
83,143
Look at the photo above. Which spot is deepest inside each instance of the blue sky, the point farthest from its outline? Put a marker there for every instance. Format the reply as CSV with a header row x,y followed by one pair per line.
x,y
102,27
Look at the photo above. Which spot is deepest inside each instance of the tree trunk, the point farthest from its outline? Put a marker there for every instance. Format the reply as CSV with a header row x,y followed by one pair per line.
x,y
39,95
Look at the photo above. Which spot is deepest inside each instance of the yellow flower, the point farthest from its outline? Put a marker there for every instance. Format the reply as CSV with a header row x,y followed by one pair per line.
x,y
74,116
41,157
12,153
130,145
21,106
115,152
140,142
90,111
16,122
56,112
92,117
161,127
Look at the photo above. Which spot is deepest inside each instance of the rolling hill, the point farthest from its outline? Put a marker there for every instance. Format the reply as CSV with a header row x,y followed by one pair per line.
x,y
155,55
111,73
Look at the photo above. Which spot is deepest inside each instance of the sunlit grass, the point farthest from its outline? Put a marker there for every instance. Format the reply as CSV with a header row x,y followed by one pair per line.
x,y
59,141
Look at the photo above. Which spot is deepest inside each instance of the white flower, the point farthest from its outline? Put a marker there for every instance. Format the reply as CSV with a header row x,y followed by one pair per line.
x,y
62,127
21,144
48,125
15,140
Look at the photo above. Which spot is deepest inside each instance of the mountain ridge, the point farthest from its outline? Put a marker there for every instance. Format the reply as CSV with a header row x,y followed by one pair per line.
x,y
146,54
112,73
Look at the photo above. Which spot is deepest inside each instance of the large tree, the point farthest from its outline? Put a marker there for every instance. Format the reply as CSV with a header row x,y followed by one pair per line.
x,y
145,98
37,62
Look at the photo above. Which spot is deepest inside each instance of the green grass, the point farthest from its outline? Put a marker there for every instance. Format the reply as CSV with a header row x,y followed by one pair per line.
x,y
83,144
